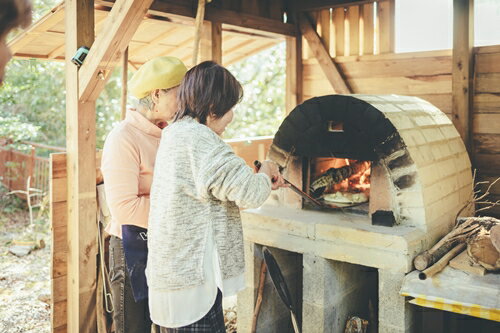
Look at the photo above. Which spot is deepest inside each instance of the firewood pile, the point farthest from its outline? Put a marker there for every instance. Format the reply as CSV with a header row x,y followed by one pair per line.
x,y
480,236
475,241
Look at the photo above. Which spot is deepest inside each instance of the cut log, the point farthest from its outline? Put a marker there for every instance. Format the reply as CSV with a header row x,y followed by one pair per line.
x,y
465,230
428,258
438,267
481,249
495,237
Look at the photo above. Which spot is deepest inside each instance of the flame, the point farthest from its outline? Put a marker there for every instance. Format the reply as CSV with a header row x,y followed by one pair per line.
x,y
359,182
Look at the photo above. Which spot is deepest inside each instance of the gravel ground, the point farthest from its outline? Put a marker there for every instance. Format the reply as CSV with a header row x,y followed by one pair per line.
x,y
24,281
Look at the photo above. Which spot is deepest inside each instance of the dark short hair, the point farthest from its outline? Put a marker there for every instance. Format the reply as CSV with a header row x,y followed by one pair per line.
x,y
207,89
14,13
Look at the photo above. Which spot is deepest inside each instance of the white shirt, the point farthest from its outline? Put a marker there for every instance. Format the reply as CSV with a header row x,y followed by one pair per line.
x,y
180,308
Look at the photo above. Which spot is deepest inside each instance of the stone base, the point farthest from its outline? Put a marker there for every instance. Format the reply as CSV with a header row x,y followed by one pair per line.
x,y
334,291
396,315
274,316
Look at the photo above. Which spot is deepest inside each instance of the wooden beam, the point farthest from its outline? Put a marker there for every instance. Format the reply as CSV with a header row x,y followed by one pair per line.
x,y
185,8
353,27
211,42
367,30
462,67
324,22
293,92
198,27
81,166
52,18
338,18
120,26
323,56
124,83
386,18
311,5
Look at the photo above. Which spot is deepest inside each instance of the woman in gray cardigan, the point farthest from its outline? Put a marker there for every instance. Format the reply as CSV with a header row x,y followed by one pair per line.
x,y
195,236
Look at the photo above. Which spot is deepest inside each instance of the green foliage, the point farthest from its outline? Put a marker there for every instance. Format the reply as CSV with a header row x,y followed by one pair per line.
x,y
13,130
263,107
41,7
34,93
33,105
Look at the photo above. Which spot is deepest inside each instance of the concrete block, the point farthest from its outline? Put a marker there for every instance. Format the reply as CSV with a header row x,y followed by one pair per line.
x,y
456,145
333,291
395,313
410,199
427,153
433,134
413,216
428,174
449,131
274,317
424,120
465,178
401,121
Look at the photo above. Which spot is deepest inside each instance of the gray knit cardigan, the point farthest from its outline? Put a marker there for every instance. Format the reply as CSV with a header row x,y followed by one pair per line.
x,y
198,183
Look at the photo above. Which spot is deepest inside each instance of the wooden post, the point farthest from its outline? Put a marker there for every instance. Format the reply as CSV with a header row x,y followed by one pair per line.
x,y
293,93
211,42
81,166
124,83
462,67
198,27
353,24
368,29
325,25
338,18
119,27
386,19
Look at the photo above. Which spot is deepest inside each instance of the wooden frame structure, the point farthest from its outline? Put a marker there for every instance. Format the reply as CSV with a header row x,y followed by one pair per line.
x,y
332,46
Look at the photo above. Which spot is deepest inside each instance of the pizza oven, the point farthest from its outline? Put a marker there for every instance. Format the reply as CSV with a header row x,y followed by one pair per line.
x,y
390,174
397,160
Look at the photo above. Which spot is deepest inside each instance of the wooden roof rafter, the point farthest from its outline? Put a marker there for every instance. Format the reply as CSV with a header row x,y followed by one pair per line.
x,y
186,10
45,39
314,5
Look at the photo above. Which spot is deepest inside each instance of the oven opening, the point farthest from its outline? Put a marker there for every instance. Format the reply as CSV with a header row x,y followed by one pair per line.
x,y
339,183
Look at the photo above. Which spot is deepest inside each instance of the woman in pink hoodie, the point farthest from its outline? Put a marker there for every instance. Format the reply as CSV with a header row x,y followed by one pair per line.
x,y
127,165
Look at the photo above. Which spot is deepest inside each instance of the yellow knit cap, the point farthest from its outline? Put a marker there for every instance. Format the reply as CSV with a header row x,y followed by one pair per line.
x,y
157,73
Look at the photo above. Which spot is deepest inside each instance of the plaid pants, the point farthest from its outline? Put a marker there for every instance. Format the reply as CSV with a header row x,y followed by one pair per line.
x,y
213,321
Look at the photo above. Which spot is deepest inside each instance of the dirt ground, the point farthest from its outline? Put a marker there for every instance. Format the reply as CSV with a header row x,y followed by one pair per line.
x,y
25,281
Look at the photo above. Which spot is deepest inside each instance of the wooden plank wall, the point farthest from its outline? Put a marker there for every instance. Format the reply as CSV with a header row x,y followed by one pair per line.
x,y
356,30
269,9
423,74
486,118
59,248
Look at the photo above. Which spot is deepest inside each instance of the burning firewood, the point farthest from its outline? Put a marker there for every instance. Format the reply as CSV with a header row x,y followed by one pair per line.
x,y
336,175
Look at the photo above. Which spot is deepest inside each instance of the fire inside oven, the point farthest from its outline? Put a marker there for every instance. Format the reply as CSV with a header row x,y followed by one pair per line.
x,y
339,182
